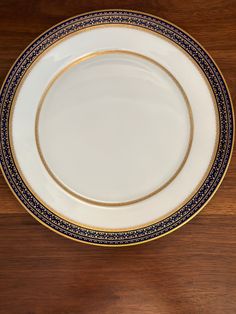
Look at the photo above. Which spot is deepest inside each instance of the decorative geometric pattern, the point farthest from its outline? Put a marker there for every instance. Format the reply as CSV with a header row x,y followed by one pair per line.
x,y
222,100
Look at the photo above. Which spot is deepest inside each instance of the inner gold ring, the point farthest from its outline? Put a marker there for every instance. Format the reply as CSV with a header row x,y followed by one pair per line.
x,y
95,202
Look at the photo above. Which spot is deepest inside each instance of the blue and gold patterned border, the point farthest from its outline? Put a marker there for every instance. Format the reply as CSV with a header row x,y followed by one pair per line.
x,y
209,186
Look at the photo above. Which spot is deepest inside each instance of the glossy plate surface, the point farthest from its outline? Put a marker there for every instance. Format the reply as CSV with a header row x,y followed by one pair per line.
x,y
116,128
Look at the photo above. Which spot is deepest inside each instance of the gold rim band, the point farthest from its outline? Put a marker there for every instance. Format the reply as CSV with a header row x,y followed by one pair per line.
x,y
228,160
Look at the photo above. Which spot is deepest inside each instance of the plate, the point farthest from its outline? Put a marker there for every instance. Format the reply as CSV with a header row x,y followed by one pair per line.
x,y
116,128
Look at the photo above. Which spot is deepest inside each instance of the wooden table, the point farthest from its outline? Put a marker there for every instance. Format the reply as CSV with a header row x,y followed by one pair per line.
x,y
193,270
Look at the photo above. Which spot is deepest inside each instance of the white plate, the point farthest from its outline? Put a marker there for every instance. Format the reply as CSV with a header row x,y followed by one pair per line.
x,y
116,128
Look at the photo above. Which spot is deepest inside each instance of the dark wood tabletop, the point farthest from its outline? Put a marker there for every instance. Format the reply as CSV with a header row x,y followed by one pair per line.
x,y
192,270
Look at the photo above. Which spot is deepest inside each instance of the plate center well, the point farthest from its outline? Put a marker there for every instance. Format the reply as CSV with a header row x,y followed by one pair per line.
x,y
114,128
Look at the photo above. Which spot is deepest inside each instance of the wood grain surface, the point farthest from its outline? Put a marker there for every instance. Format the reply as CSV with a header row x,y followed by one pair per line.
x,y
193,270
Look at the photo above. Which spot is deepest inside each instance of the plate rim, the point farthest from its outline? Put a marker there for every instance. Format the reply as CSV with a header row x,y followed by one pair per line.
x,y
139,14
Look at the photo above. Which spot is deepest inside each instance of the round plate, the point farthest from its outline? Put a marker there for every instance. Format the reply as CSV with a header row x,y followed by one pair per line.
x,y
116,128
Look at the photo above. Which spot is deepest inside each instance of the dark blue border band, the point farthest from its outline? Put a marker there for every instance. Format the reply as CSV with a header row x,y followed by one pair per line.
x,y
223,104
